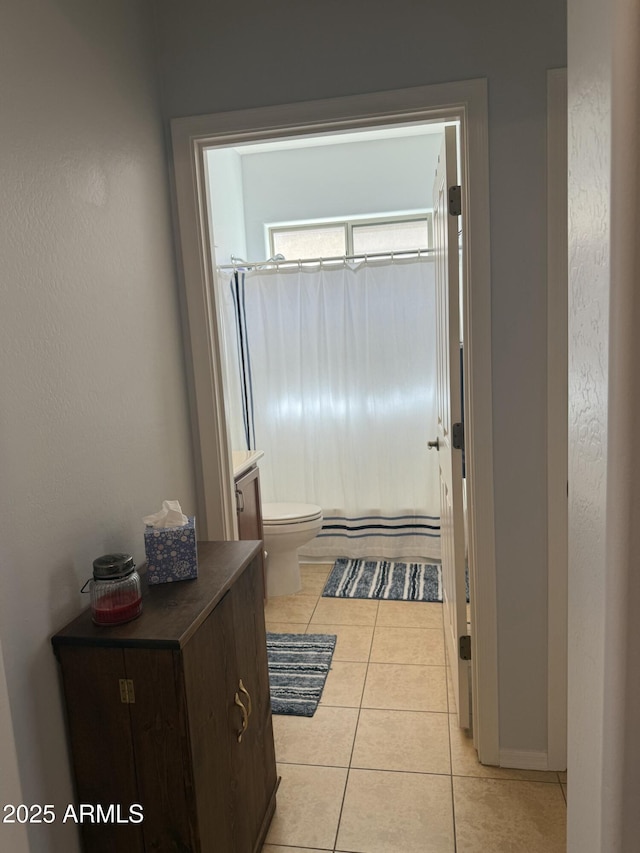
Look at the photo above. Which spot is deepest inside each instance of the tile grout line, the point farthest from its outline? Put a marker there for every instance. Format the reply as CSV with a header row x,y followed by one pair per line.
x,y
564,795
355,733
453,800
419,772
374,769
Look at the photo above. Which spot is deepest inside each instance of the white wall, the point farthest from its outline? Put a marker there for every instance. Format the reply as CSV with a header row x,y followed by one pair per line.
x,y
346,179
227,56
93,426
604,420
226,207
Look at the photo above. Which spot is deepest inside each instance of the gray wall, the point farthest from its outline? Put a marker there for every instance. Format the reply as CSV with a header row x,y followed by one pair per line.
x,y
350,179
344,179
93,425
226,56
226,206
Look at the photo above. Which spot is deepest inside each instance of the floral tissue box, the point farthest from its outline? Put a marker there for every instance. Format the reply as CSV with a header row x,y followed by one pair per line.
x,y
171,553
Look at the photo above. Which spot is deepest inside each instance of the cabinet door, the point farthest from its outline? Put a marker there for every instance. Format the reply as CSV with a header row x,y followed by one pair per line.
x,y
101,744
254,757
249,510
159,729
214,720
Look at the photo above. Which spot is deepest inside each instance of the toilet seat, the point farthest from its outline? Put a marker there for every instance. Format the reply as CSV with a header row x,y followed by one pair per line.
x,y
274,514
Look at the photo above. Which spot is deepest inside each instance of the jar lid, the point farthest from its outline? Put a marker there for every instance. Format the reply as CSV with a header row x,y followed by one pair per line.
x,y
113,566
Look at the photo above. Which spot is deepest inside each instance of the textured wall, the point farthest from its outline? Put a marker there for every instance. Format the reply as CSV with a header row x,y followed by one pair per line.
x,y
621,740
233,55
589,139
93,424
604,476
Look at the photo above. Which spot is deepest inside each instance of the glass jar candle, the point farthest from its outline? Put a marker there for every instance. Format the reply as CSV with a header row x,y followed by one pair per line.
x,y
116,593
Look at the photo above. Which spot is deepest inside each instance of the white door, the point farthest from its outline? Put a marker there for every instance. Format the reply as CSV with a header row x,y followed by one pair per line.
x,y
445,232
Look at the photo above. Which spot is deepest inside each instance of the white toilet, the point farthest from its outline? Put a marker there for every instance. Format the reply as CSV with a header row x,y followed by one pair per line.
x,y
287,527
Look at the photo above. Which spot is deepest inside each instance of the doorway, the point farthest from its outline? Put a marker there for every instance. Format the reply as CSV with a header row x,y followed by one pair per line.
x,y
464,102
325,279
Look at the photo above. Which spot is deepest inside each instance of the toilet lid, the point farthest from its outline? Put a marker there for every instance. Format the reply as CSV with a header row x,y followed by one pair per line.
x,y
288,513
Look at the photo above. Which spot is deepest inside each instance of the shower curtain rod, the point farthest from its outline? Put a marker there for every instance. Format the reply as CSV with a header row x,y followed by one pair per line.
x,y
238,263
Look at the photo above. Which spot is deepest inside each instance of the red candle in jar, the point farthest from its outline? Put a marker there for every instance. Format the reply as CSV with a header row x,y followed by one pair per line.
x,y
113,608
116,594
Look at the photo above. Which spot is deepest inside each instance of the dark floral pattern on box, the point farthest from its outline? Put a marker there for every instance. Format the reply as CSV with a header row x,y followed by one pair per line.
x,y
171,553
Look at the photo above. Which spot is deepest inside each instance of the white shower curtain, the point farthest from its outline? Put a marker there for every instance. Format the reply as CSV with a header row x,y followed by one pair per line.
x,y
331,372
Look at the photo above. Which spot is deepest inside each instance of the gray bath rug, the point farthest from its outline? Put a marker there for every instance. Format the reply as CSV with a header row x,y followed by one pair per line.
x,y
382,579
298,668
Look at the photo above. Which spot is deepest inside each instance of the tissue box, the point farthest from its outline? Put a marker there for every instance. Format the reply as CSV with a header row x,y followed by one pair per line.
x,y
171,553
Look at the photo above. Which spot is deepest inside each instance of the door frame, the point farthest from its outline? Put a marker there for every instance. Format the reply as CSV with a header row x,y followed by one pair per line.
x,y
465,101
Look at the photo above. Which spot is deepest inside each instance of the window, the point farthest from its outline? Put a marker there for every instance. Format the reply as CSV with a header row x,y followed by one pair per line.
x,y
351,237
391,236
309,241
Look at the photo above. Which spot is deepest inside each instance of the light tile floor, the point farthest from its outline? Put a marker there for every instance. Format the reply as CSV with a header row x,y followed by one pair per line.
x,y
382,766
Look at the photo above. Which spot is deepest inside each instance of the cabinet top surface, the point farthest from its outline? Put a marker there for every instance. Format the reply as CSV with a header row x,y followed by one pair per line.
x,y
243,460
171,612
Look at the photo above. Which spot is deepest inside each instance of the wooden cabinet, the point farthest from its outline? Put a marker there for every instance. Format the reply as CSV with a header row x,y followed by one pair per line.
x,y
249,508
248,505
172,712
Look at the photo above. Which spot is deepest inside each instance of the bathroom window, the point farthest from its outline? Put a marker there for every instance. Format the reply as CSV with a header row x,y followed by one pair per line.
x,y
309,241
391,236
351,237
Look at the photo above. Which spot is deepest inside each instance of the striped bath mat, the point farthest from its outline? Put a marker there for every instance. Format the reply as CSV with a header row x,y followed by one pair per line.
x,y
384,580
298,668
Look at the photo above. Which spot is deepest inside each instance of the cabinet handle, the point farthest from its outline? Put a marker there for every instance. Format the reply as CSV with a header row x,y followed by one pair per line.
x,y
245,717
244,690
239,500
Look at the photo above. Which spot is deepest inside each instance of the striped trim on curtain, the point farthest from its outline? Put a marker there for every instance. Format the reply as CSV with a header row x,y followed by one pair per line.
x,y
358,527
410,536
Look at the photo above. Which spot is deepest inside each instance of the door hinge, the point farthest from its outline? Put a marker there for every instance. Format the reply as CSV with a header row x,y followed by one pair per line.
x,y
457,436
465,647
127,693
455,201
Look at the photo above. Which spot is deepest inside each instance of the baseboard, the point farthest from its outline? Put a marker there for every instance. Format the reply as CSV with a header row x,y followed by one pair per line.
x,y
523,759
